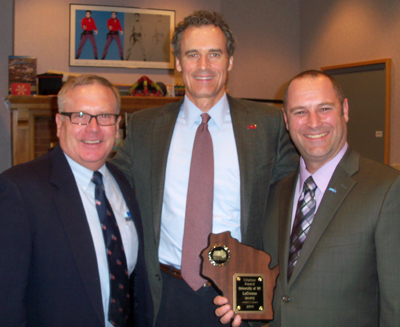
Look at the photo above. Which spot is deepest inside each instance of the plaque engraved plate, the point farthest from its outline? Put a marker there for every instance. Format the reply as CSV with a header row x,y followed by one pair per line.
x,y
248,293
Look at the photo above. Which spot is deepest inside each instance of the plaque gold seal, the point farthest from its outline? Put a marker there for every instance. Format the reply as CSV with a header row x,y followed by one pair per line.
x,y
219,255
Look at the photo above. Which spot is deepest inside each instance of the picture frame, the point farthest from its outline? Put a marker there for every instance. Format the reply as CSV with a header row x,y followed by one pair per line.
x,y
22,74
127,37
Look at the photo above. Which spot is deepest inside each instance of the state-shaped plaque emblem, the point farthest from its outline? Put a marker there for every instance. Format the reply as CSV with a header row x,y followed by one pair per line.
x,y
243,275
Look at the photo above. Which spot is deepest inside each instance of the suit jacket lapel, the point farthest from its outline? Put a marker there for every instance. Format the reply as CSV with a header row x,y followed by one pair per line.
x,y
285,220
245,144
342,182
161,139
73,217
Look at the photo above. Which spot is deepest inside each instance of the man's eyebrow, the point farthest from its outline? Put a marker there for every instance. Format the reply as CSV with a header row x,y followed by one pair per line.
x,y
326,104
296,108
196,51
215,50
322,104
191,51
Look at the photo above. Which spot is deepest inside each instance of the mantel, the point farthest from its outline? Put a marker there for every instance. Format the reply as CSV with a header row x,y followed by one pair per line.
x,y
33,126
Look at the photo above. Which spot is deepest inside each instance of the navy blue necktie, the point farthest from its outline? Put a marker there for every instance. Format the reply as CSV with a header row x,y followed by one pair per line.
x,y
119,276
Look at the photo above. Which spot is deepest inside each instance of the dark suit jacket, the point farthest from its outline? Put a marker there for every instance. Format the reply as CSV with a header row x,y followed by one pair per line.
x,y
348,269
48,267
266,154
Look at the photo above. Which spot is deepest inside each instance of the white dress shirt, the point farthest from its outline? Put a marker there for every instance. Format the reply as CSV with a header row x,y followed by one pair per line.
x,y
126,226
226,206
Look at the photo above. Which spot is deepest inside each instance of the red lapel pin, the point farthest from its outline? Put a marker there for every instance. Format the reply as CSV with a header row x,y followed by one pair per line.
x,y
252,126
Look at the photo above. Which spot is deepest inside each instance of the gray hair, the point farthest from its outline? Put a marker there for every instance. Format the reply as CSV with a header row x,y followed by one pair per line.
x,y
203,18
86,80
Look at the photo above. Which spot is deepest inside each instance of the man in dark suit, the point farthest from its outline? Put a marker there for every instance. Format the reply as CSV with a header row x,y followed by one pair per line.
x,y
55,267
338,248
251,150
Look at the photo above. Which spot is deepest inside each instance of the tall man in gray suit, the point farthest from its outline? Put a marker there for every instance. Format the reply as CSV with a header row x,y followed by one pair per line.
x,y
339,244
251,150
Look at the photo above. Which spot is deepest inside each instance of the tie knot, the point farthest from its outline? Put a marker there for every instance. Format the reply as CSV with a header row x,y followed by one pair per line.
x,y
97,178
310,185
205,118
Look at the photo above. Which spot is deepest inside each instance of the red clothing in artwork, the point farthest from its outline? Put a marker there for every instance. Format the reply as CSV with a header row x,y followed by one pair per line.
x,y
114,25
88,24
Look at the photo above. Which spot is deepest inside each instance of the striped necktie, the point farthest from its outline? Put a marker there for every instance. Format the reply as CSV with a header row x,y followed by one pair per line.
x,y
302,222
118,309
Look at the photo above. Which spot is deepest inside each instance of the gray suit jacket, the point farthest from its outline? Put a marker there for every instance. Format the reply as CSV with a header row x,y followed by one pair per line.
x,y
348,269
266,154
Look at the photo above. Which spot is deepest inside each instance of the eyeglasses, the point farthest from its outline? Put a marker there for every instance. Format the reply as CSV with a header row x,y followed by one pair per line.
x,y
82,118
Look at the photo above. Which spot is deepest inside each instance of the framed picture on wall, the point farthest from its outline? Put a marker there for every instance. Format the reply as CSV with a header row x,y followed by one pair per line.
x,y
108,36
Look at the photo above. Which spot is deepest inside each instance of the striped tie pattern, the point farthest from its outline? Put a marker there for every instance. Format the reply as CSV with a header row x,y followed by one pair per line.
x,y
302,222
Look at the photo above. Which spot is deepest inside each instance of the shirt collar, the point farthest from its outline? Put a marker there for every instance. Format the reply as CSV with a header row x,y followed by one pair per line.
x,y
323,175
218,112
83,175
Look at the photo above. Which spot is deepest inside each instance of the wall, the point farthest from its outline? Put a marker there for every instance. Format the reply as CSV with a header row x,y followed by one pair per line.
x,y
276,39
6,28
266,57
267,54
42,30
334,32
268,50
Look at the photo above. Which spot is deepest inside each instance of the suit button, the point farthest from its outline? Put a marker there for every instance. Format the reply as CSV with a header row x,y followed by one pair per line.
x,y
158,277
286,299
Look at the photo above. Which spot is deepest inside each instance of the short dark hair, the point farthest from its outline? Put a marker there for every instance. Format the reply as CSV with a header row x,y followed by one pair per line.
x,y
314,74
85,80
203,18
89,11
113,12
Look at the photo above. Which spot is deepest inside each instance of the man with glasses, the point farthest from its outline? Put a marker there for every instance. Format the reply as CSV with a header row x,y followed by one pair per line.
x,y
71,243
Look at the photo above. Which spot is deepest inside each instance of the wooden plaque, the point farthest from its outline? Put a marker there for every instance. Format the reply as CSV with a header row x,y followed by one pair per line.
x,y
242,274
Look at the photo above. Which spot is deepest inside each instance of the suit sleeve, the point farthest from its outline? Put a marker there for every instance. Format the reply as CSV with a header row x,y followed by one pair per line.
x,y
387,243
15,253
287,157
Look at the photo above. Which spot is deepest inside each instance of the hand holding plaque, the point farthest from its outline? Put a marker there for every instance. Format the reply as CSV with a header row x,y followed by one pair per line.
x,y
242,274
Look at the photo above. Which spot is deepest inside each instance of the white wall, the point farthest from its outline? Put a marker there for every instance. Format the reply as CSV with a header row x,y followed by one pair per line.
x,y
6,28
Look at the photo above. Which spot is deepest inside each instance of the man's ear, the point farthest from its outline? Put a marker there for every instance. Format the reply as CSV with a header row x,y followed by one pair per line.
x,y
59,120
345,110
230,63
285,118
178,64
117,128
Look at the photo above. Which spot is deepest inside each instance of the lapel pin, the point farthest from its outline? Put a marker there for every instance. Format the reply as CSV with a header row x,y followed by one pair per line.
x,y
332,190
252,126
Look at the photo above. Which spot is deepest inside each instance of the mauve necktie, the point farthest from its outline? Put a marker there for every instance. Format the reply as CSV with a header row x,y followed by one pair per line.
x,y
302,222
199,205
119,276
